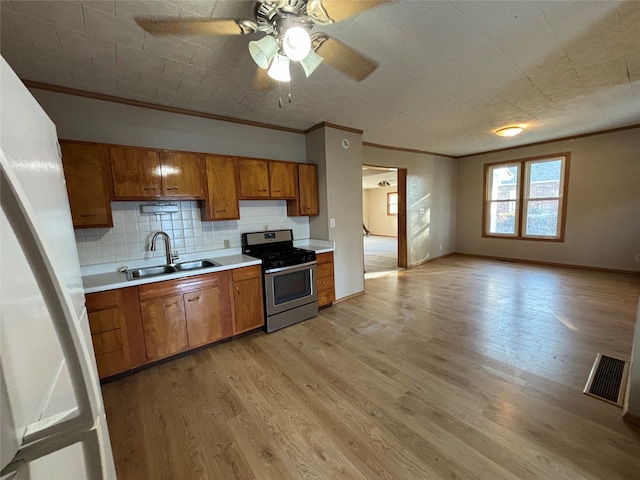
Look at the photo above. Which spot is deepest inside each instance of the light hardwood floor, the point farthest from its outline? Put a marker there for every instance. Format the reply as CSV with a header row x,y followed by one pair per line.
x,y
458,369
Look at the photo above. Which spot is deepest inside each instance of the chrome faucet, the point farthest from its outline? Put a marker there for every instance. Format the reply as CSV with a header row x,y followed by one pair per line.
x,y
171,256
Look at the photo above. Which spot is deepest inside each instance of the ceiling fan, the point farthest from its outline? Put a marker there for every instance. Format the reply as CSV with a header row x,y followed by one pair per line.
x,y
287,25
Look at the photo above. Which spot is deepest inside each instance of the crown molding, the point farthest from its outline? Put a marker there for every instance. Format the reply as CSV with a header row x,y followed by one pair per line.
x,y
155,106
563,139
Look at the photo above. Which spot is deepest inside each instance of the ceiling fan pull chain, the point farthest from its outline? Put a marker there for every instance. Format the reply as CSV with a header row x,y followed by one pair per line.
x,y
289,92
280,94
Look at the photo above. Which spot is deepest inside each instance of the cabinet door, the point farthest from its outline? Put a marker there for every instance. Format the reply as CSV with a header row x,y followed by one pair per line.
x,y
326,284
254,178
306,202
247,296
223,187
207,320
182,175
88,177
136,173
282,178
164,326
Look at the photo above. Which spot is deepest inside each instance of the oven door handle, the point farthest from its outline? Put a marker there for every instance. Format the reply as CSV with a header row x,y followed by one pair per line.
x,y
291,267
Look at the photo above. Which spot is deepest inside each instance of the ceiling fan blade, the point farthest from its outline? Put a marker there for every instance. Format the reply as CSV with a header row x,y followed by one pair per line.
x,y
196,26
342,57
326,11
262,81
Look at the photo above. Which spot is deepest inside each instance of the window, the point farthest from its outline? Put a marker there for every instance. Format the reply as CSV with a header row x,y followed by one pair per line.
x,y
526,199
392,203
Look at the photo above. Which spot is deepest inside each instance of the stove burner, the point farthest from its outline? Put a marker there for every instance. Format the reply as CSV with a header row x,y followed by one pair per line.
x,y
275,249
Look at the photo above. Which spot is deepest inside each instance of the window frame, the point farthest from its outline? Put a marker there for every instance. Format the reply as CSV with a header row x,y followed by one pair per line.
x,y
389,214
521,200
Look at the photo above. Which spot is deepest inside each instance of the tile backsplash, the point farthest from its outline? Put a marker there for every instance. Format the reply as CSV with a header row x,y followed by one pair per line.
x,y
130,237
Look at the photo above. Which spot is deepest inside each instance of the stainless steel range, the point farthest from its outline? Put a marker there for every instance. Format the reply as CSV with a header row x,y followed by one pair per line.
x,y
289,274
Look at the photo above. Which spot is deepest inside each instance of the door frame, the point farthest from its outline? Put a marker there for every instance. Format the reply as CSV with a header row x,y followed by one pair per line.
x,y
401,175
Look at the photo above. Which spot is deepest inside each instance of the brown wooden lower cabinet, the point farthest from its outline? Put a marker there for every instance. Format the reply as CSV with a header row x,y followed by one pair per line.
x,y
247,299
134,326
108,332
326,285
164,324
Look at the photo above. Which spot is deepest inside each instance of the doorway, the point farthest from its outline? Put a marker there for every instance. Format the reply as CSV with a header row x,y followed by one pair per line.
x,y
383,220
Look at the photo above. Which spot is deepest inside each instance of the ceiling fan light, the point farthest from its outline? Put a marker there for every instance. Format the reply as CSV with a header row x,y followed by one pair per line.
x,y
280,69
311,62
296,43
509,131
262,51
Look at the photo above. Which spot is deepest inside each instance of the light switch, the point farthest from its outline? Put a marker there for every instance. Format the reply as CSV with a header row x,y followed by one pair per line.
x,y
332,223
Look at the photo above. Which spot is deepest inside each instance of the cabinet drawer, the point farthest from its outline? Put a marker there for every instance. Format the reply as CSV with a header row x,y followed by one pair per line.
x,y
324,270
246,273
325,283
179,286
111,363
102,300
326,297
107,341
324,258
104,320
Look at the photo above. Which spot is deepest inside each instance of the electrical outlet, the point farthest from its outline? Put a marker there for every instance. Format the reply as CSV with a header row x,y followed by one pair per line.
x,y
421,211
440,247
266,227
227,244
332,223
638,258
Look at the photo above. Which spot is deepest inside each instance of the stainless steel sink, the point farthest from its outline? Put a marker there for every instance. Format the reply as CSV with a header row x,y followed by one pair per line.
x,y
196,264
145,272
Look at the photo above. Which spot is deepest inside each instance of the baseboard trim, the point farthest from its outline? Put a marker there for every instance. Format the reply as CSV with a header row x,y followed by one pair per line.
x,y
429,260
631,418
348,297
548,264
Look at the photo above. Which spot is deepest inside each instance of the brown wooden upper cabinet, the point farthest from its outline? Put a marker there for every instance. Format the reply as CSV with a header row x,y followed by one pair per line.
x,y
223,188
254,178
306,202
88,177
140,174
282,179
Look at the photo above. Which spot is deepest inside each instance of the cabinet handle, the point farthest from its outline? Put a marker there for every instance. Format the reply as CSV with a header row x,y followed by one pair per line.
x,y
172,188
263,190
237,290
221,211
148,188
89,215
194,299
171,304
275,191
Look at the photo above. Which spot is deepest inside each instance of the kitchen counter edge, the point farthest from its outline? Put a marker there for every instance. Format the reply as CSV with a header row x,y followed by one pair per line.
x,y
102,282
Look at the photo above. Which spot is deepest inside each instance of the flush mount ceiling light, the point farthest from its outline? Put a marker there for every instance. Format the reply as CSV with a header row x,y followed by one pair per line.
x,y
287,26
509,131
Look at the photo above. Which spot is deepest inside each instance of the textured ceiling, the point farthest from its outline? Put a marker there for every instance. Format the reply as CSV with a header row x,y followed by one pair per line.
x,y
450,73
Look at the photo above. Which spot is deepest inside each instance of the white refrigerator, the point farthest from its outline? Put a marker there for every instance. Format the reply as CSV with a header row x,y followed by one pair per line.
x,y
53,424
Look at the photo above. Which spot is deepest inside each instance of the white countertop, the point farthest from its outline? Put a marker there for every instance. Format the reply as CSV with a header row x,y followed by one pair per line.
x,y
318,246
101,282
99,278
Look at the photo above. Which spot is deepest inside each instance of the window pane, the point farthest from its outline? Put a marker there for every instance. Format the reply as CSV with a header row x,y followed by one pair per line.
x,y
544,179
504,183
502,217
542,218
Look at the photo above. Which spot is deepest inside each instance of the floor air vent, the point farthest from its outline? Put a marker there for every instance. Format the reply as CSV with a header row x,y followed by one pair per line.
x,y
607,379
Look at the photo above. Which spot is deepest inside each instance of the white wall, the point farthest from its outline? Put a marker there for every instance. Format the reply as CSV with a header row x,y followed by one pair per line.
x,y
130,237
80,118
603,209
375,207
431,200
340,185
